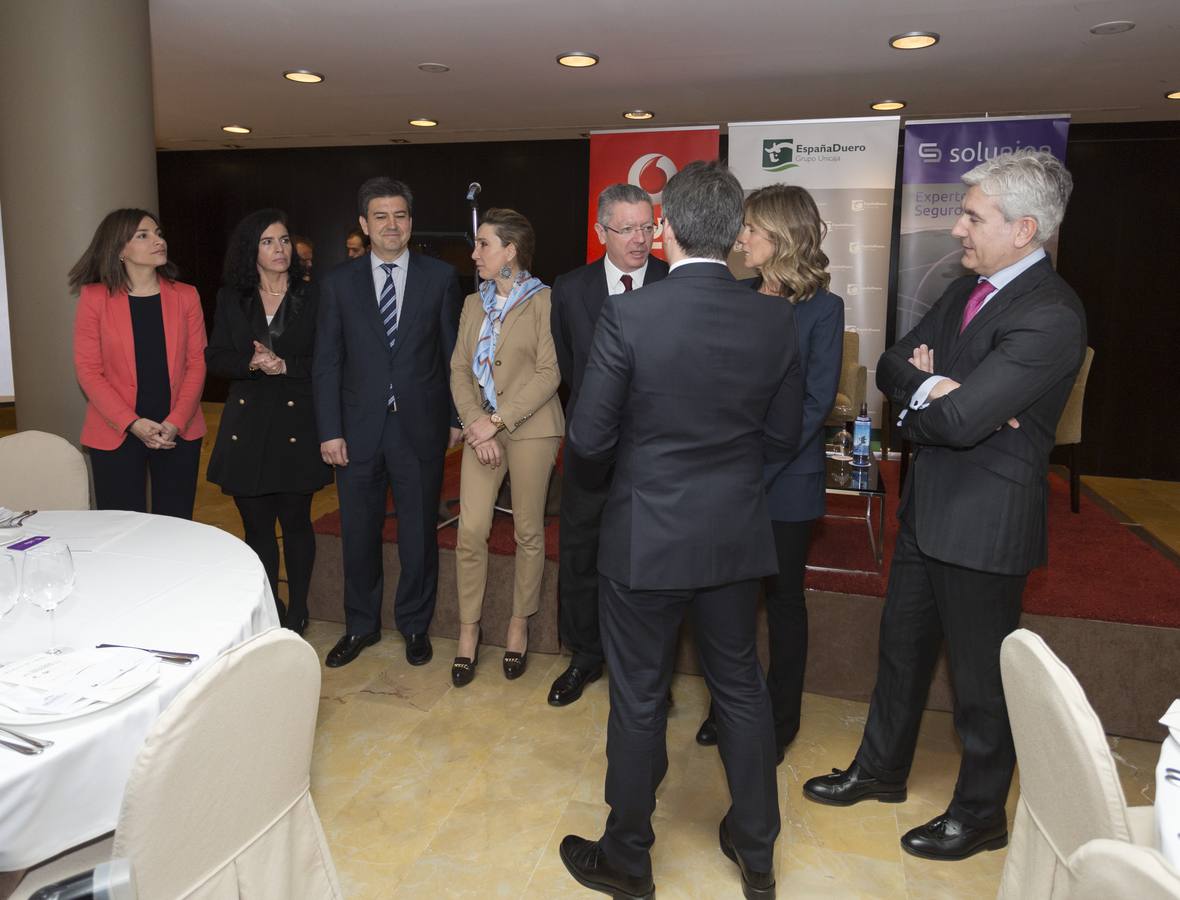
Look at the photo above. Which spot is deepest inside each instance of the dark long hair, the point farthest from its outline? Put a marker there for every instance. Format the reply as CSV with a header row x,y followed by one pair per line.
x,y
241,256
100,264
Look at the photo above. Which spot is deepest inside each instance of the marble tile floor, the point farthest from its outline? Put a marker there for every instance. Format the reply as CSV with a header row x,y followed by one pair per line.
x,y
427,790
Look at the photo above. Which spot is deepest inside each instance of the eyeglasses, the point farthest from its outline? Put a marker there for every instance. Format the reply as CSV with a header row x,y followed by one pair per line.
x,y
627,231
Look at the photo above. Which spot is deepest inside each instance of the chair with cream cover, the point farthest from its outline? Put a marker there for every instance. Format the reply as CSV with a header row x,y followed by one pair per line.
x,y
1069,428
39,470
217,803
851,391
1102,869
1069,788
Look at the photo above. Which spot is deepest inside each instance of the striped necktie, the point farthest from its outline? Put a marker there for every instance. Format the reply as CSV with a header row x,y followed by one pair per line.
x,y
388,309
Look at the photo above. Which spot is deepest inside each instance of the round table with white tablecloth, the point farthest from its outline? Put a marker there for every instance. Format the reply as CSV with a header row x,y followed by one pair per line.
x,y
141,580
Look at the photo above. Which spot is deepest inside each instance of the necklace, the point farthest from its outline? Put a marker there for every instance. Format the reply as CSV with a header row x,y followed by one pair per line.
x,y
262,285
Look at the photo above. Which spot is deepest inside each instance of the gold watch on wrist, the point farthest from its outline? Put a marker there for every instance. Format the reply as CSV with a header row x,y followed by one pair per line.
x,y
496,420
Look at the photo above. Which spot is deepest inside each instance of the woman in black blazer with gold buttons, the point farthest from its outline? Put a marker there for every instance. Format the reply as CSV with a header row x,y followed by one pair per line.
x,y
267,454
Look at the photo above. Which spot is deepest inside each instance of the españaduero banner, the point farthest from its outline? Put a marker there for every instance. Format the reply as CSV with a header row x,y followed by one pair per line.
x,y
937,154
850,167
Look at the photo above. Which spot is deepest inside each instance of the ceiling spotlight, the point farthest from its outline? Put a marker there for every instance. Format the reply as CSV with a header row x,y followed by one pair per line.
x,y
914,40
888,105
639,115
1172,95
1116,27
434,68
578,59
235,129
423,122
303,76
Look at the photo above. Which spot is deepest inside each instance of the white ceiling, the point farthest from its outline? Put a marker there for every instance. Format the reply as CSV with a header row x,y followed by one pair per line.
x,y
220,61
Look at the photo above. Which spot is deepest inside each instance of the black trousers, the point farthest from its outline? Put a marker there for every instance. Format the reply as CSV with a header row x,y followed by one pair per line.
x,y
926,601
584,487
416,484
293,513
639,632
121,477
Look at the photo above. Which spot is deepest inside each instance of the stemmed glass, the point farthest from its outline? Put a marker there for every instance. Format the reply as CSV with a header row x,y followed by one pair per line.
x,y
48,580
9,584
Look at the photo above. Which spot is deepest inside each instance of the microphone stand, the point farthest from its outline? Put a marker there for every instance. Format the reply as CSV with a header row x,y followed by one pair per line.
x,y
473,199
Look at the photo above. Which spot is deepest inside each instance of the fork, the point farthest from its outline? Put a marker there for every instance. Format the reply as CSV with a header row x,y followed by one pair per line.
x,y
11,521
26,749
39,743
26,514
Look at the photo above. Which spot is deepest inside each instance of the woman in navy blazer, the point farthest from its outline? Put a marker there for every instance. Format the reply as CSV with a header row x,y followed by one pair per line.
x,y
781,239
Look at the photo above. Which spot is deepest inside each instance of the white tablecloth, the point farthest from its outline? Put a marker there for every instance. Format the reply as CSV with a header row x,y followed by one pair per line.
x,y
1167,801
149,581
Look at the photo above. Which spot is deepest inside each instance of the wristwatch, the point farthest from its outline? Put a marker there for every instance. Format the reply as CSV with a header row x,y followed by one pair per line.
x,y
496,420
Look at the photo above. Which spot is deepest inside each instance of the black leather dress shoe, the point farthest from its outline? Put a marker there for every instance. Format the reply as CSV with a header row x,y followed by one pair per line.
x,y
847,786
349,648
755,885
418,649
515,664
588,864
568,686
946,838
707,733
298,625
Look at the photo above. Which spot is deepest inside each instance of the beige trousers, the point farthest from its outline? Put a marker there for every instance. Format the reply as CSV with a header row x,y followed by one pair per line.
x,y
529,463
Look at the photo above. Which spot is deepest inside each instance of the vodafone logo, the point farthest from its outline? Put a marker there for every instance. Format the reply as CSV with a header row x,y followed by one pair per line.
x,y
651,172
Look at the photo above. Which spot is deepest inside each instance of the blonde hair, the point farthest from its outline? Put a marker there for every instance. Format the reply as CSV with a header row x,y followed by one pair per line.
x,y
790,218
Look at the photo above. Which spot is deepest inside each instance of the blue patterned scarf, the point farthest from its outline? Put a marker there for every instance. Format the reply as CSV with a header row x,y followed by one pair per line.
x,y
523,287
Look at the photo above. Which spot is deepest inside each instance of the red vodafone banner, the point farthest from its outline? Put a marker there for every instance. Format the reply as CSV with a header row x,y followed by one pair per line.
x,y
647,157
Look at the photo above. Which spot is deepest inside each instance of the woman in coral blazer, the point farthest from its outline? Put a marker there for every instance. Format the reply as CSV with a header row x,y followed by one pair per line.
x,y
139,354
504,380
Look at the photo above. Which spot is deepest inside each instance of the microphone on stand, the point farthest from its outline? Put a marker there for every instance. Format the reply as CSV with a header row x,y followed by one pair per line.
x,y
472,190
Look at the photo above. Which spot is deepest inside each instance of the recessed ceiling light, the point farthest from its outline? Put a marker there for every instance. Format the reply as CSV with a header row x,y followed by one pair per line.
x,y
638,114
434,68
424,122
888,105
578,59
1116,27
1172,95
914,40
303,76
235,129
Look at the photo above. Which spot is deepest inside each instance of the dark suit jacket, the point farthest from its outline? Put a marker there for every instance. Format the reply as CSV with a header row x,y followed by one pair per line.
x,y
693,383
795,489
977,493
354,366
267,442
577,301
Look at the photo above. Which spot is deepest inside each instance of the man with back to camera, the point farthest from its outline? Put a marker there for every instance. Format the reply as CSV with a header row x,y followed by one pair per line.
x,y
983,416
691,386
386,329
625,227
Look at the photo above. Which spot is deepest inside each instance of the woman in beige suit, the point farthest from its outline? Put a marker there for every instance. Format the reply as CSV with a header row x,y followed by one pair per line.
x,y
504,379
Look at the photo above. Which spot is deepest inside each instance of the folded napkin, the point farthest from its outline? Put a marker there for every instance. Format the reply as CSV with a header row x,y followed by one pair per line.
x,y
68,684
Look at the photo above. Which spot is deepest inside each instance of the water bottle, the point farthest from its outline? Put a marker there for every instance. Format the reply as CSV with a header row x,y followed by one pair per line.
x,y
862,431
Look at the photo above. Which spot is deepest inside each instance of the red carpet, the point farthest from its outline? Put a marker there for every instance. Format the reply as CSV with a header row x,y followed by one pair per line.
x,y
1098,569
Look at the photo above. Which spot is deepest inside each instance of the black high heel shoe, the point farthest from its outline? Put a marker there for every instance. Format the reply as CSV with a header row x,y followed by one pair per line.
x,y
463,669
516,663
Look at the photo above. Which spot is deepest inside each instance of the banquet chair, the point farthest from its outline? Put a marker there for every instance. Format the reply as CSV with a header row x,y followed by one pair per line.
x,y
217,804
1069,428
39,470
1069,787
1101,869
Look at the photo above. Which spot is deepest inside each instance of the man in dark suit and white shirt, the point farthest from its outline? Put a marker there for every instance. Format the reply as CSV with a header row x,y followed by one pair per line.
x,y
1009,341
386,329
625,227
691,385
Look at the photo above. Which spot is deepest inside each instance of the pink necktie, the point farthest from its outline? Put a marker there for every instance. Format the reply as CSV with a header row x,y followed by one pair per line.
x,y
626,279
975,302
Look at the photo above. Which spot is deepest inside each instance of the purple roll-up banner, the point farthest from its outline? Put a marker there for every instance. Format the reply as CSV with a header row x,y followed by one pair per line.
x,y
937,153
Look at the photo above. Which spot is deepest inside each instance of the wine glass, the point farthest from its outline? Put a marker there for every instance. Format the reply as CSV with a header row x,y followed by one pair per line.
x,y
48,580
9,584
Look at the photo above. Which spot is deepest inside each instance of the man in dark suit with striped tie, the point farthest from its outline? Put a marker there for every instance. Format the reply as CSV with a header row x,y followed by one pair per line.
x,y
386,330
983,415
626,229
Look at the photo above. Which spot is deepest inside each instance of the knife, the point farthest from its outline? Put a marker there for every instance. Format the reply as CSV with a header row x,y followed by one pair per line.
x,y
169,656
